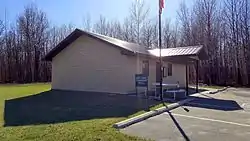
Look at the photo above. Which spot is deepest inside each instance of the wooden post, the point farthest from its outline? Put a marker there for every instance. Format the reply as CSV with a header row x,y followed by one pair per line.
x,y
187,79
197,76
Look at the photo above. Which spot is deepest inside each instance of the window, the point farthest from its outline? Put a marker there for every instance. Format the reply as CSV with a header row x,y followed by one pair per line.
x,y
164,72
145,67
169,69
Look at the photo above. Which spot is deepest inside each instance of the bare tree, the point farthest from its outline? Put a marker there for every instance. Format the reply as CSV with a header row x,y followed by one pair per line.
x,y
1,27
1,51
32,25
128,32
147,34
87,23
138,13
101,26
184,18
167,35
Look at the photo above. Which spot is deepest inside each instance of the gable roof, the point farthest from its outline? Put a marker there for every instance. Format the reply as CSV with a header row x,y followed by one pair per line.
x,y
131,47
135,48
127,46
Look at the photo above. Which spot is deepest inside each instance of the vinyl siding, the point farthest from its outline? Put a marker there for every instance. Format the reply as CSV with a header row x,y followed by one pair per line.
x,y
178,73
91,65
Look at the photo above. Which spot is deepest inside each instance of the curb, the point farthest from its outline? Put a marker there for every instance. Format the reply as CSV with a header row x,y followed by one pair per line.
x,y
149,114
219,90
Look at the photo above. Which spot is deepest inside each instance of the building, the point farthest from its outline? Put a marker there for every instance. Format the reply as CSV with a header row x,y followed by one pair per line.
x,y
86,61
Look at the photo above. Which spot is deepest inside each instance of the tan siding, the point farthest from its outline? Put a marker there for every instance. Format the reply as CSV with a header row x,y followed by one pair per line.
x,y
178,74
90,65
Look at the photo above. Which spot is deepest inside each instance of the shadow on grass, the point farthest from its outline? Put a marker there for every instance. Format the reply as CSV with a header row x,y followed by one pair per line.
x,y
61,106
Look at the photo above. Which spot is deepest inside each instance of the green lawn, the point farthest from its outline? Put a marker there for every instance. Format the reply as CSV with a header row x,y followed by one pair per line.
x,y
33,112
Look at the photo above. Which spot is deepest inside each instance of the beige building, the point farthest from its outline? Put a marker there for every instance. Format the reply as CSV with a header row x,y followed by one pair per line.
x,y
86,61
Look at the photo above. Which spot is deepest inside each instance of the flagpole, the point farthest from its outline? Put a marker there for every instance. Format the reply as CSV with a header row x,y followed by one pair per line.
x,y
160,58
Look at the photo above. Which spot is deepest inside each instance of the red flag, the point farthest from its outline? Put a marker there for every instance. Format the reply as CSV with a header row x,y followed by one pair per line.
x,y
161,5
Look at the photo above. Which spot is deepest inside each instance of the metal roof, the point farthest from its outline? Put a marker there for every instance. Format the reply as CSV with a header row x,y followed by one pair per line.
x,y
136,48
179,51
127,46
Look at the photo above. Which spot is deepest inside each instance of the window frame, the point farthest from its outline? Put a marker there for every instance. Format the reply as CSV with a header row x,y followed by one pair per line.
x,y
170,70
164,71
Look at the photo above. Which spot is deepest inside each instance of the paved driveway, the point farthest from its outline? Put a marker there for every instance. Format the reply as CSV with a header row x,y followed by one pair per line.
x,y
216,117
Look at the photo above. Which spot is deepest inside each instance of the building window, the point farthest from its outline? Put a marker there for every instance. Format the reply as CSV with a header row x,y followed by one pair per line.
x,y
145,67
169,69
164,72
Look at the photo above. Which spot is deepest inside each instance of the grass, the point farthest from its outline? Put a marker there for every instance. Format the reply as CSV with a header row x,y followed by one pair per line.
x,y
32,112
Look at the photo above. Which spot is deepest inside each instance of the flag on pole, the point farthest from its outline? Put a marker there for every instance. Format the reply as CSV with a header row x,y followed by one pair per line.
x,y
161,5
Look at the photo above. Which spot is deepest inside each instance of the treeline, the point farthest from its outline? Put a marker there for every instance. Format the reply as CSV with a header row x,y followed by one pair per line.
x,y
23,45
221,26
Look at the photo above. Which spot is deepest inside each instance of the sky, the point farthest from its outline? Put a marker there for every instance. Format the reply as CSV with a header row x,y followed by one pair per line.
x,y
73,11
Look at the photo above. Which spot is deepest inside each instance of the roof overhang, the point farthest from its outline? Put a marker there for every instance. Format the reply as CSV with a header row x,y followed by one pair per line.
x,y
181,53
180,59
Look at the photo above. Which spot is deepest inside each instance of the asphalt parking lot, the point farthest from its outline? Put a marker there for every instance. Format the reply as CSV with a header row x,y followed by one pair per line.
x,y
216,117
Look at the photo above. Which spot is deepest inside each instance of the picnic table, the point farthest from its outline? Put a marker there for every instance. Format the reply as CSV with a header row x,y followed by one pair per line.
x,y
166,87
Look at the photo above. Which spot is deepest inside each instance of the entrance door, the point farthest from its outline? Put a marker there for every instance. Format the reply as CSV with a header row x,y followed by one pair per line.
x,y
158,76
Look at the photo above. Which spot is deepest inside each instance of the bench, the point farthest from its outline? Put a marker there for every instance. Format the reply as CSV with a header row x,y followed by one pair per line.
x,y
176,91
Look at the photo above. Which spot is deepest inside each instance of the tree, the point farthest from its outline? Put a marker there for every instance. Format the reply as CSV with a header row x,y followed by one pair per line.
x,y
138,13
1,27
87,23
147,34
128,32
33,25
184,18
167,35
101,26
1,51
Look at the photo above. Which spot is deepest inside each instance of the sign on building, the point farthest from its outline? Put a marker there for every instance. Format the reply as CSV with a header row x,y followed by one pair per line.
x,y
141,80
